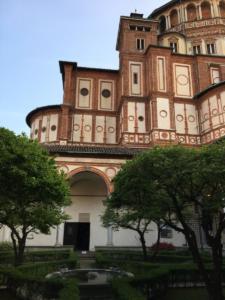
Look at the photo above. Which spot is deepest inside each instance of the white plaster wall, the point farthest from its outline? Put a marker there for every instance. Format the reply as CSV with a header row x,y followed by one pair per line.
x,y
42,239
204,112
99,129
77,123
84,101
135,88
214,111
44,124
110,130
131,116
163,113
106,103
161,72
53,133
179,117
141,113
192,119
182,80
87,128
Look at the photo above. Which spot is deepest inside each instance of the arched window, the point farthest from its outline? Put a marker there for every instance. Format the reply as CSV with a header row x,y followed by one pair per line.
x,y
222,9
162,24
206,10
173,18
191,12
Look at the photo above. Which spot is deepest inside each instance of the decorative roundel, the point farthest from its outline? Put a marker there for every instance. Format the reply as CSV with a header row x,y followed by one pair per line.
x,y
53,128
87,128
99,128
191,118
36,131
131,118
182,79
84,91
141,118
165,135
222,132
106,93
43,129
214,112
206,116
181,139
179,118
111,129
111,172
76,127
192,140
63,169
163,113
217,134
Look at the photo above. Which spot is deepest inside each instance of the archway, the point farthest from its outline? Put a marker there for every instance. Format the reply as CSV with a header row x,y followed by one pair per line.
x,y
206,10
173,18
222,9
191,12
162,24
84,230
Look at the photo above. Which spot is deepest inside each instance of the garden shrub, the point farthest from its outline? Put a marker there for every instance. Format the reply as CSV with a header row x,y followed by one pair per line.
x,y
70,290
123,290
163,246
6,246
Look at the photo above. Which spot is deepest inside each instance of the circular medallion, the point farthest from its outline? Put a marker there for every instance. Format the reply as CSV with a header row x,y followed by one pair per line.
x,y
181,139
191,118
111,129
87,128
111,172
131,118
214,112
106,93
179,118
163,113
84,91
99,128
182,79
165,135
76,127
53,128
206,116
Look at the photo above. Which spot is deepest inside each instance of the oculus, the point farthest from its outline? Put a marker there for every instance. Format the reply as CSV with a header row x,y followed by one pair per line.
x,y
84,92
106,93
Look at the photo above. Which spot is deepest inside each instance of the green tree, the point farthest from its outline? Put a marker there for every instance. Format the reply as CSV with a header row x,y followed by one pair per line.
x,y
133,203
32,191
192,184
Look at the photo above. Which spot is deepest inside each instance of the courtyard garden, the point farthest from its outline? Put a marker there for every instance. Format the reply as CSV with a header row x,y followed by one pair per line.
x,y
171,274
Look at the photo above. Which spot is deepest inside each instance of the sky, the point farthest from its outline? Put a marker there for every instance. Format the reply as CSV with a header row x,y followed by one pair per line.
x,y
36,34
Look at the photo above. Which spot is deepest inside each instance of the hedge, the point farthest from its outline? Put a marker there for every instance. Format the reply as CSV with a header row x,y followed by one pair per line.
x,y
123,290
29,280
7,257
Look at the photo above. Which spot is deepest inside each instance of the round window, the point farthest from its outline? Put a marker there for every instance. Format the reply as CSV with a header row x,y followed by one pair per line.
x,y
36,131
53,127
43,129
141,118
84,91
106,93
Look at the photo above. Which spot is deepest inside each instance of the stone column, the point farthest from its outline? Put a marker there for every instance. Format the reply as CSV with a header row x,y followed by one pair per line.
x,y
109,236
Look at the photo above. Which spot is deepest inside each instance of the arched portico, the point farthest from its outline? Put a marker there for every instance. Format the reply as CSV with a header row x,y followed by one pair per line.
x,y
84,230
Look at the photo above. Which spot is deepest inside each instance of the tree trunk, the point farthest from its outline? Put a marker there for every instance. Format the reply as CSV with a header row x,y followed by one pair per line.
x,y
143,245
157,242
213,283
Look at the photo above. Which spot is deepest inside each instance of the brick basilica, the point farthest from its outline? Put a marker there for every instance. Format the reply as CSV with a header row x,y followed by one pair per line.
x,y
169,89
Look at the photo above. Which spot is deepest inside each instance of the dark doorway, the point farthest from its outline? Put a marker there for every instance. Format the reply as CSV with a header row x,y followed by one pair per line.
x,y
77,235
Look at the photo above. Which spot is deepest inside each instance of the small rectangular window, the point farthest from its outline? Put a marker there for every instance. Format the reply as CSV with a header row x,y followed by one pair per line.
x,y
166,233
174,47
197,49
140,44
135,78
211,48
